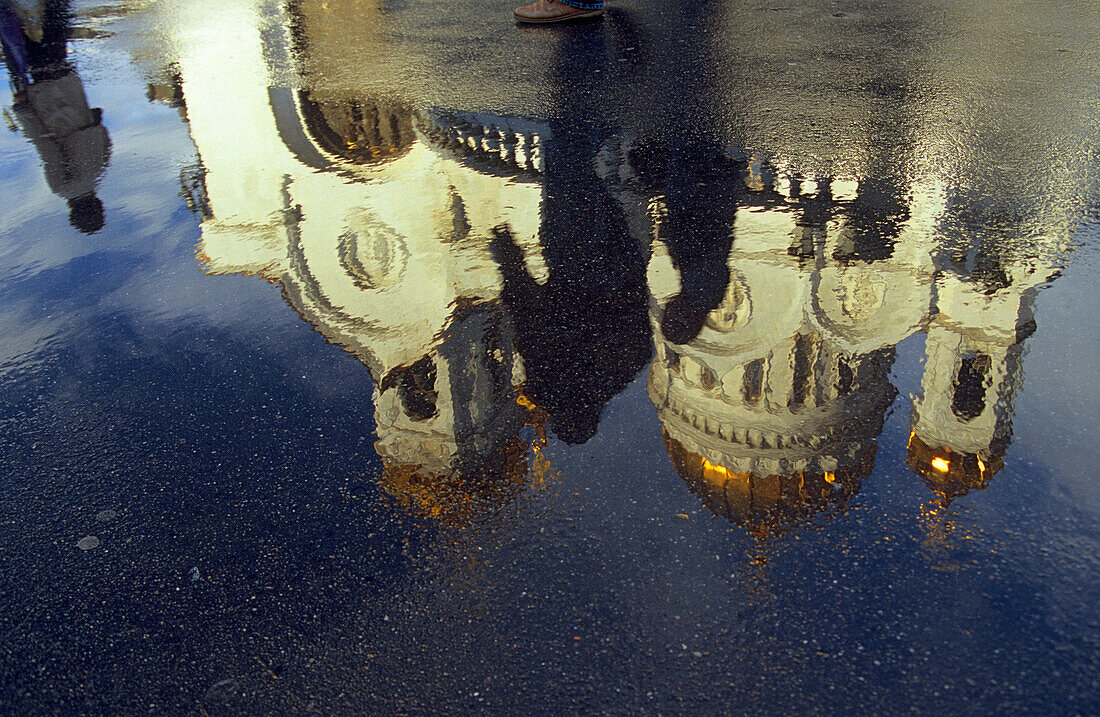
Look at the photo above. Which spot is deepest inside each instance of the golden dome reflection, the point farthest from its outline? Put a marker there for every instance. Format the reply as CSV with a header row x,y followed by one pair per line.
x,y
465,490
769,505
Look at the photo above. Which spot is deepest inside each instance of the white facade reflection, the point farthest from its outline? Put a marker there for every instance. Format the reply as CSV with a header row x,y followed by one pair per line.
x,y
375,221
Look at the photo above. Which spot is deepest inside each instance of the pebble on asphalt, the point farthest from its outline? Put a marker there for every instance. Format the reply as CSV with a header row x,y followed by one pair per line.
x,y
88,542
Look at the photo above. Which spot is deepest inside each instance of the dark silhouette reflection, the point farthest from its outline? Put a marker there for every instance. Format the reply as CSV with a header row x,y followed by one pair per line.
x,y
681,165
34,39
584,333
53,111
699,184
14,44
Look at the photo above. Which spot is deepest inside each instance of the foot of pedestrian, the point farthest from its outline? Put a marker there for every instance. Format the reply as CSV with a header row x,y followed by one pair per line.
x,y
546,11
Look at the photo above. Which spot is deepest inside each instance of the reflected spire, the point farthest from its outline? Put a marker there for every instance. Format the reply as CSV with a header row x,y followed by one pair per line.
x,y
962,421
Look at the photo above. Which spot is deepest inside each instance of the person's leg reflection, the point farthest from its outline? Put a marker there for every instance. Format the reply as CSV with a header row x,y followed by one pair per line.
x,y
584,334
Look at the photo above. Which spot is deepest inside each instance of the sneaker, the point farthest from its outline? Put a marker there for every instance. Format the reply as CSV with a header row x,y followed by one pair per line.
x,y
544,11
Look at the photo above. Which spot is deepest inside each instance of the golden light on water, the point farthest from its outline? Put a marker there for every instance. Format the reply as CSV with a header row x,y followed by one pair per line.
x,y
941,464
715,472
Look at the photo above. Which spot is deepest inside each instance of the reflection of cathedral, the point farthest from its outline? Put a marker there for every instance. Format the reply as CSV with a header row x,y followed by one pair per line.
x,y
773,412
375,220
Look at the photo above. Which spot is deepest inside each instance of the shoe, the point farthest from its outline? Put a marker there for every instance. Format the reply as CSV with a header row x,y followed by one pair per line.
x,y
544,11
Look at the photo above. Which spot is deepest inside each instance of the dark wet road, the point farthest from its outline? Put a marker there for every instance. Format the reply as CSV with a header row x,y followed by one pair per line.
x,y
366,357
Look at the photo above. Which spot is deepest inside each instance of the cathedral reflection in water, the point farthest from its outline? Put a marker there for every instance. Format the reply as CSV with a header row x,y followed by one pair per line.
x,y
773,412
377,220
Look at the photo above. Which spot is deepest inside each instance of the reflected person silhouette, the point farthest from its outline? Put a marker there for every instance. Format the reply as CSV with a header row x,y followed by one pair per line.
x,y
53,111
584,334
699,184
34,36
14,45
682,166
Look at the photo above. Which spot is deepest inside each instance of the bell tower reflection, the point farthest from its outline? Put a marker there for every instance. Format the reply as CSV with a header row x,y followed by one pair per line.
x,y
449,424
962,421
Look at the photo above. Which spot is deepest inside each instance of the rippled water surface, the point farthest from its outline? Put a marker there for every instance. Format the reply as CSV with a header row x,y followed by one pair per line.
x,y
364,356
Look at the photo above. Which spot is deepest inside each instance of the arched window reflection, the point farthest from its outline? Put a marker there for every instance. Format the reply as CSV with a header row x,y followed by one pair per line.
x,y
971,380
